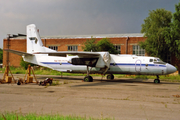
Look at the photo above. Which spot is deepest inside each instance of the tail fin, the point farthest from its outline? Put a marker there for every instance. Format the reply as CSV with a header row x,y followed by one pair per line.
x,y
34,43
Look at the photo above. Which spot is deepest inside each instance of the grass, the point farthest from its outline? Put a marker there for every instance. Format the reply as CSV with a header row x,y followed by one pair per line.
x,y
33,116
169,78
46,71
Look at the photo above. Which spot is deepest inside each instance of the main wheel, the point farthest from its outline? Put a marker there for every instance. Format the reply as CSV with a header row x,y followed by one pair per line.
x,y
156,81
110,77
88,79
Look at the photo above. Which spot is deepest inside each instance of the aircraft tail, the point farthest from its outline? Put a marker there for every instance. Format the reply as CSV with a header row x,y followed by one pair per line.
x,y
34,43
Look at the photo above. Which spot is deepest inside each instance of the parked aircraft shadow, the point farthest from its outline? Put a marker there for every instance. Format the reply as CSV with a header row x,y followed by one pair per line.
x,y
98,82
59,78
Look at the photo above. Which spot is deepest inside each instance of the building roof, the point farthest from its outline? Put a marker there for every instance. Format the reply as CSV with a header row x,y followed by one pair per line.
x,y
86,36
95,36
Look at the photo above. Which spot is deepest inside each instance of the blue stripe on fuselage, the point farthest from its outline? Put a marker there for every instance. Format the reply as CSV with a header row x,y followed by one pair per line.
x,y
111,64
128,64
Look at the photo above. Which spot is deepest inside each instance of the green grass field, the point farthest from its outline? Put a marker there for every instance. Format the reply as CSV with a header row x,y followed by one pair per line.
x,y
46,71
33,116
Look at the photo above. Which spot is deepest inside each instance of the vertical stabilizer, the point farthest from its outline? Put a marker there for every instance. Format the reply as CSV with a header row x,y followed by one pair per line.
x,y
34,43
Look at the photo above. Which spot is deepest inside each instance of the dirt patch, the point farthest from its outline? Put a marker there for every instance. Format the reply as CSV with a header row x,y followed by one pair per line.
x,y
119,99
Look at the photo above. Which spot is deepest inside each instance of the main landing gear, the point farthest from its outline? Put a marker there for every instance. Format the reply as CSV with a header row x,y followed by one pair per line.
x,y
88,78
110,76
157,80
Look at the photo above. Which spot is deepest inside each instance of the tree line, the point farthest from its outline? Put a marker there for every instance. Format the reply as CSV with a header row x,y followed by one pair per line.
x,y
162,29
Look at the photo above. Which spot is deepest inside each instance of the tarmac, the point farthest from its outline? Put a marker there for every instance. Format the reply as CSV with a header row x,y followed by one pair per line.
x,y
120,99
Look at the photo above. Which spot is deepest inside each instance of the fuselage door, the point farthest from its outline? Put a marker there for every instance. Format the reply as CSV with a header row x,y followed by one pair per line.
x,y
138,66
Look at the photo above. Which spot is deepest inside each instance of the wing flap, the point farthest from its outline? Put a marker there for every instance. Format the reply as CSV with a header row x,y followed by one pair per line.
x,y
18,52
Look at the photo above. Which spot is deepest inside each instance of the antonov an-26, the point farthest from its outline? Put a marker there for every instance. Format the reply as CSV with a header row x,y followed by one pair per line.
x,y
94,62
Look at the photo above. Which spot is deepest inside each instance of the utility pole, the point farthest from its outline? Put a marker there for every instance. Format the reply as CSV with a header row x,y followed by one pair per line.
x,y
8,40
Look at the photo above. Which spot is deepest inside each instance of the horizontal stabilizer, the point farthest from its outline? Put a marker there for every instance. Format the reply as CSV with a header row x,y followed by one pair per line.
x,y
64,53
18,52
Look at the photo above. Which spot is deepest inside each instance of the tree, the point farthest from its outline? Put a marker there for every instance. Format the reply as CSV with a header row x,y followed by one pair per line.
x,y
1,55
172,37
155,29
90,45
103,45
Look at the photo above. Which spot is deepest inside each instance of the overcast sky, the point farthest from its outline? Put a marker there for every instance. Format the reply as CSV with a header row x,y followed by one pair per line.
x,y
77,17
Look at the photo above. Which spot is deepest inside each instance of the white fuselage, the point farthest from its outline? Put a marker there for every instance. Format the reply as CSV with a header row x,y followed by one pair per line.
x,y
119,64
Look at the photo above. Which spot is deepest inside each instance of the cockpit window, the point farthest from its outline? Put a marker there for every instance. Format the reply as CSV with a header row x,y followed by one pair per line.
x,y
159,61
151,60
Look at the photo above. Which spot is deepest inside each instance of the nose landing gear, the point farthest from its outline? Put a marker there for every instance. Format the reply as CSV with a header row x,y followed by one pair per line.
x,y
157,80
88,79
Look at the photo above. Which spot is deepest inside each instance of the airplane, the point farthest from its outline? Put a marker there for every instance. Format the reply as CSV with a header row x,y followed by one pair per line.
x,y
90,62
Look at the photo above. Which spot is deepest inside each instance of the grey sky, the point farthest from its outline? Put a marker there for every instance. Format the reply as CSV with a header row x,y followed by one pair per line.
x,y
77,17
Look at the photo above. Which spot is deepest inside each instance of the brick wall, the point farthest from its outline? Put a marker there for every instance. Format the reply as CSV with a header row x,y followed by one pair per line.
x,y
20,45
14,44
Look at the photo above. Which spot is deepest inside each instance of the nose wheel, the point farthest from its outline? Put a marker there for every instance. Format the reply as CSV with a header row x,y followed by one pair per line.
x,y
157,80
88,79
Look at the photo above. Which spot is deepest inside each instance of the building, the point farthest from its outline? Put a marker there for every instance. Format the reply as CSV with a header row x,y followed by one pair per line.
x,y
124,43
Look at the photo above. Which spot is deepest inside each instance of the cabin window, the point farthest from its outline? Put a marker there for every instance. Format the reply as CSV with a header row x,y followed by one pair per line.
x,y
118,48
137,50
33,38
53,47
73,48
151,60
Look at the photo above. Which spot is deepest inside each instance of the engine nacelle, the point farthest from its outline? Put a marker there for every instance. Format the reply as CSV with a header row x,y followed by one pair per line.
x,y
84,61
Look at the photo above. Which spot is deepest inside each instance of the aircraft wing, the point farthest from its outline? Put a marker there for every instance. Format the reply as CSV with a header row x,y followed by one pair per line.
x,y
18,52
64,53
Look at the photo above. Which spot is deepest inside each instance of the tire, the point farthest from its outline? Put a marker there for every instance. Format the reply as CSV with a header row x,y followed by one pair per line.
x,y
110,77
91,79
156,81
88,79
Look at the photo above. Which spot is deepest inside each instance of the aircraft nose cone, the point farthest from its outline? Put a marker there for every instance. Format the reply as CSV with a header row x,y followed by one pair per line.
x,y
170,68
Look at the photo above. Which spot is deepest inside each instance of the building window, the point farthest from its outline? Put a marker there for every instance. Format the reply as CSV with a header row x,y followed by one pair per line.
x,y
53,47
72,48
137,50
118,48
